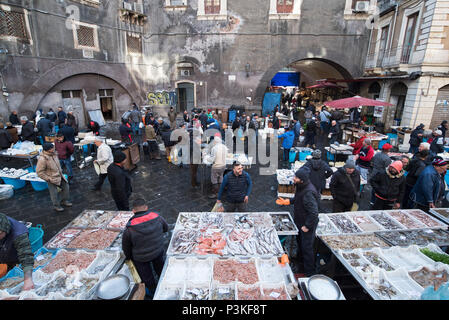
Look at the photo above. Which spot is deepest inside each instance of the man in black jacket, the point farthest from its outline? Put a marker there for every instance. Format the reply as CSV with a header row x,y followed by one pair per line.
x,y
44,127
416,138
203,119
5,138
143,243
13,118
416,166
305,207
62,116
120,182
345,187
68,132
334,132
319,170
389,187
437,145
238,185
27,130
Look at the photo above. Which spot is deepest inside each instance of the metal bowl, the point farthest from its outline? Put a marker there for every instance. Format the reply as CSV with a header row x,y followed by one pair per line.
x,y
331,286
113,287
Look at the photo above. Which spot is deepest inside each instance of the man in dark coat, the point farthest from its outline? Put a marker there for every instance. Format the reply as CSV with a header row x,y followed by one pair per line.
x,y
94,127
416,166
44,127
15,248
310,132
5,138
143,243
443,127
14,118
51,115
238,187
62,116
334,132
126,131
437,145
389,187
120,182
416,138
306,204
27,130
203,119
68,132
345,187
72,122
319,170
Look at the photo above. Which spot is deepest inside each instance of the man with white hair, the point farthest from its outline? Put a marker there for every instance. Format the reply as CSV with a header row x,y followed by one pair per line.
x,y
218,157
104,159
27,129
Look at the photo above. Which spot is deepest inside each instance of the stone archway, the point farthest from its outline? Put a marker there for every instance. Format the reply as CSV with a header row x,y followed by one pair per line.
x,y
55,75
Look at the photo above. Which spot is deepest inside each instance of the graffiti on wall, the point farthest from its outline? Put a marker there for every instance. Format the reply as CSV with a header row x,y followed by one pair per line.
x,y
162,98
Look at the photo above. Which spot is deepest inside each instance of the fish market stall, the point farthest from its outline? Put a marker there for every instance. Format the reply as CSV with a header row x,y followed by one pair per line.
x,y
76,261
232,256
440,213
385,251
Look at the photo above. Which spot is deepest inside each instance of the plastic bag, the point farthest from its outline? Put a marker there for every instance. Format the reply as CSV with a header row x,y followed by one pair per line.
x,y
218,207
6,191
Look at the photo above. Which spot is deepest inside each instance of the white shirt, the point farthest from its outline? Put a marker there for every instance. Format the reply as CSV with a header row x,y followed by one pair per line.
x,y
219,152
104,157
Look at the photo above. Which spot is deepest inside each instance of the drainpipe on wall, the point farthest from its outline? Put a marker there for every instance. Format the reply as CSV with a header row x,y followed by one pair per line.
x,y
394,26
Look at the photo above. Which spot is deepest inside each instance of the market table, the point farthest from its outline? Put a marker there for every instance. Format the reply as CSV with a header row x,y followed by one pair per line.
x,y
65,271
440,213
30,157
341,149
192,268
363,233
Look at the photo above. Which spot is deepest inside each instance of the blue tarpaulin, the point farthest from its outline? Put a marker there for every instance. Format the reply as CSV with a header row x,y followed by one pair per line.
x,y
270,101
285,79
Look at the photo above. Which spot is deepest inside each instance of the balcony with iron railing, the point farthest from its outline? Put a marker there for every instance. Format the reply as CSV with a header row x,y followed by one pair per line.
x,y
390,58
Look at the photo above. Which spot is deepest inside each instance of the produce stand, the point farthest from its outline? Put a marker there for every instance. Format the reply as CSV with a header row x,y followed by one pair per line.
x,y
66,272
360,241
440,213
205,260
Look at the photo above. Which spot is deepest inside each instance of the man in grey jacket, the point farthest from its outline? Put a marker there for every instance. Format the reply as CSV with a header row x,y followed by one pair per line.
x,y
172,118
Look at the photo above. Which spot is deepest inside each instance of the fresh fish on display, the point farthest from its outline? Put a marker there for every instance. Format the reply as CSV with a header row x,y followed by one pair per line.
x,y
184,241
210,244
325,226
385,221
196,294
344,224
385,289
190,221
263,241
211,220
282,222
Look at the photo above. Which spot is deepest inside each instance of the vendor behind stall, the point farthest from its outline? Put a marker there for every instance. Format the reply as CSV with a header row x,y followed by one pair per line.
x,y
15,248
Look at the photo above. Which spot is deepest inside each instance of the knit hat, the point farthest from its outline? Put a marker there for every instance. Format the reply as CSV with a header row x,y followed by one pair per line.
x,y
387,146
47,146
316,154
303,173
439,162
5,225
397,165
350,164
119,157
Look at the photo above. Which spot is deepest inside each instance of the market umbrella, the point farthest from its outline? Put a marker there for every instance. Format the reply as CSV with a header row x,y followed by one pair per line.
x,y
325,85
355,102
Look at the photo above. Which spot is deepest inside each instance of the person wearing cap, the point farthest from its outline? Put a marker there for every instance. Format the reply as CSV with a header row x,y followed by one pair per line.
x,y
15,248
143,243
5,137
104,160
49,169
389,187
218,159
415,168
238,186
306,207
64,150
430,186
437,145
364,157
381,160
287,142
94,127
359,143
319,170
416,138
120,181
12,132
27,133
345,187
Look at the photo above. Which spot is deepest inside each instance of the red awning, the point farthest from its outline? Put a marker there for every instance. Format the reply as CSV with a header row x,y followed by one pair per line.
x,y
325,85
355,102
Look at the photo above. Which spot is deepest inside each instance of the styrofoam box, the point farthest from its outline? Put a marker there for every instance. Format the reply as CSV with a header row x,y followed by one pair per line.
x,y
189,285
200,270
269,270
176,270
402,281
223,289
277,286
174,291
247,286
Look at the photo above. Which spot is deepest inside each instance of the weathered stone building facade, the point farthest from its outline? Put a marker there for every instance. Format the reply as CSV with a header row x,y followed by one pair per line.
x,y
92,54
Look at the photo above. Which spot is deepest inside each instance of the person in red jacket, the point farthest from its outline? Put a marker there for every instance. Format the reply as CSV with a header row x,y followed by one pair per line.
x,y
364,157
359,144
64,149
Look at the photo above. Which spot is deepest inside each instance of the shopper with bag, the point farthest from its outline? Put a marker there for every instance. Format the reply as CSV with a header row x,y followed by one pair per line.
x,y
345,187
104,159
